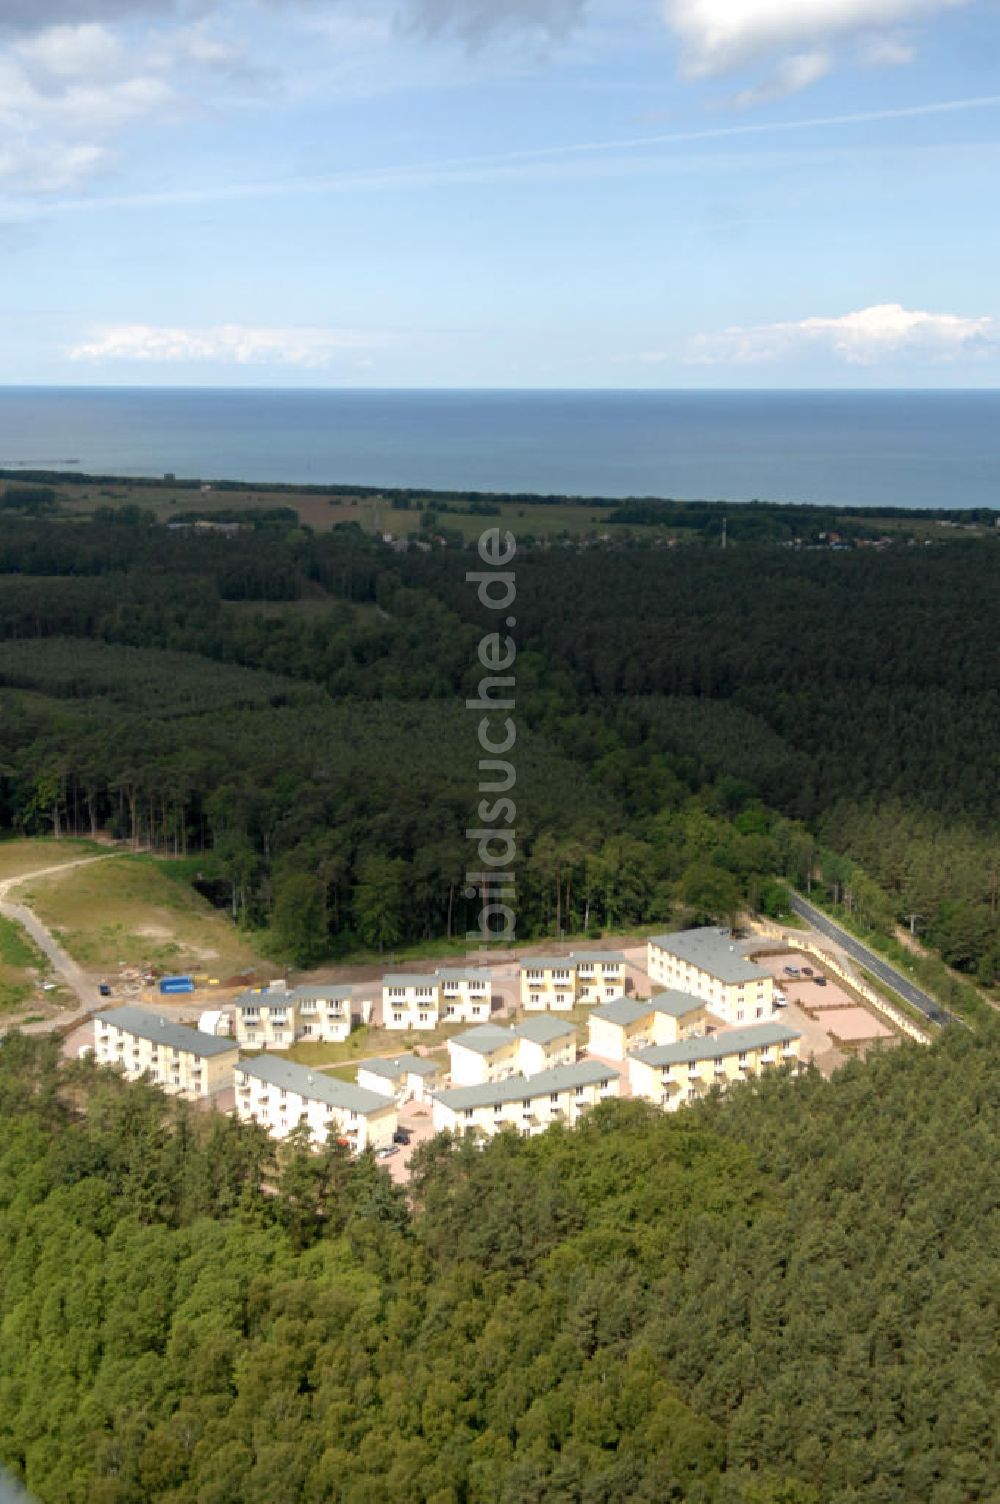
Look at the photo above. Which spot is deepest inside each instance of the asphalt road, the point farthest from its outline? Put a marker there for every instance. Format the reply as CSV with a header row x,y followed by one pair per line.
x,y
871,961
86,990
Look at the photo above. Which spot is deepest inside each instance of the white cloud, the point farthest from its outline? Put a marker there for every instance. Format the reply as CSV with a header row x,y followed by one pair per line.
x,y
231,344
68,92
886,50
720,35
791,74
865,337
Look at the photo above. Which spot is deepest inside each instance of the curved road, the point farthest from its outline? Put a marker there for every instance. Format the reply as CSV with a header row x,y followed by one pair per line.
x,y
72,974
873,962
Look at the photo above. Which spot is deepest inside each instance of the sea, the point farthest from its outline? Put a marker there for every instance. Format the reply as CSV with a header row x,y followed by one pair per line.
x,y
886,448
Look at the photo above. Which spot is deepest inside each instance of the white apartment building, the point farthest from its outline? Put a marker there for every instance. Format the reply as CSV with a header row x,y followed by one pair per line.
x,y
410,1001
404,1077
528,1105
280,1095
673,1074
182,1061
492,1053
466,993
711,964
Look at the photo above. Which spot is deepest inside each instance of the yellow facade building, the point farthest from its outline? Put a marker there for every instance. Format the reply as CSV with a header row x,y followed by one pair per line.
x,y
711,964
275,1017
618,1028
183,1061
528,1105
672,1074
466,994
548,983
600,975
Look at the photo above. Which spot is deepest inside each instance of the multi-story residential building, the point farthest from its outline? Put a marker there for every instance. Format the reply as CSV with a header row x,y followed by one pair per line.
x,y
280,1095
323,1013
466,993
548,983
600,975
712,965
410,1001
544,1043
405,1077
266,1019
183,1061
528,1105
486,1053
672,1074
492,1053
275,1017
619,1028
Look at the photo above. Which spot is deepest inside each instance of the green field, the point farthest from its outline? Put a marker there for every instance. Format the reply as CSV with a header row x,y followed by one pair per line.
x,y
128,910
22,966
25,857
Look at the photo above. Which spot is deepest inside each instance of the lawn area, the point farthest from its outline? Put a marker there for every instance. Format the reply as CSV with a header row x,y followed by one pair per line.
x,y
25,857
341,1072
364,1042
130,910
21,966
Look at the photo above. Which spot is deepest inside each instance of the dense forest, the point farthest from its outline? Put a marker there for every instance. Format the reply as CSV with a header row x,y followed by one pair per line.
x,y
784,1296
692,725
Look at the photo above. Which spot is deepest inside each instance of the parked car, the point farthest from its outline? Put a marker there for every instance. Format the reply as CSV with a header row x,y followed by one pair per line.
x,y
807,971
386,1152
791,971
104,989
401,1136
780,1000
820,981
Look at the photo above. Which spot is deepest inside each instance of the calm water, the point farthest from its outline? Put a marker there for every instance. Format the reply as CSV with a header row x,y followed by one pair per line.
x,y
925,449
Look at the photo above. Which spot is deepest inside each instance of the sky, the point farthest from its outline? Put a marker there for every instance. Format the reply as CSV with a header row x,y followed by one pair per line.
x,y
500,193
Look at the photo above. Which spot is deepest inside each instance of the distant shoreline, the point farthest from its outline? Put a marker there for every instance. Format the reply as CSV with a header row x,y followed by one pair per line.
x,y
865,454
218,485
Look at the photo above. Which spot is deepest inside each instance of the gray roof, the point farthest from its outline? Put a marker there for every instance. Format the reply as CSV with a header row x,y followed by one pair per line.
x,y
677,1004
160,1030
543,1028
713,950
464,974
623,1011
313,1084
254,999
319,993
410,979
519,1088
599,955
545,963
716,1046
401,1065
485,1038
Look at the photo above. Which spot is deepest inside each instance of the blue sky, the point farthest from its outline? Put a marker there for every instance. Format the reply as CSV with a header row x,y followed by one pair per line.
x,y
529,193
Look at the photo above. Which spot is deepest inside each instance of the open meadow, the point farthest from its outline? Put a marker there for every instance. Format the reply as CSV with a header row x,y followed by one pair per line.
x,y
128,910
